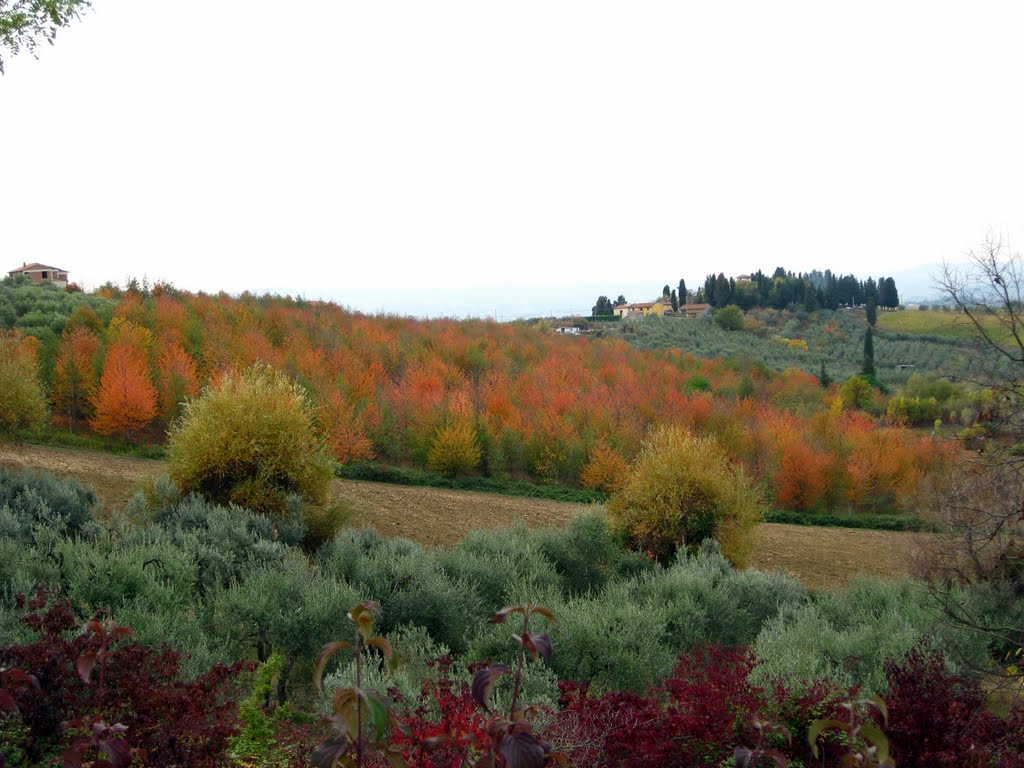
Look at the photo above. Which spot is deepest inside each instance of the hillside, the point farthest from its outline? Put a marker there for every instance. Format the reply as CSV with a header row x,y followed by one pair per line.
x,y
926,342
528,403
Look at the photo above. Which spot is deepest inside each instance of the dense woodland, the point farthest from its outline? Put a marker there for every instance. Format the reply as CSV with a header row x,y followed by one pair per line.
x,y
501,400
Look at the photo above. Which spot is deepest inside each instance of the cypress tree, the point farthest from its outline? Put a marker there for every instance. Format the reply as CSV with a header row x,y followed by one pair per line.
x,y
823,377
868,368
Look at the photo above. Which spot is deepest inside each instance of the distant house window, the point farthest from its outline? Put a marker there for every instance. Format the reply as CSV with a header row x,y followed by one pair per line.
x,y
45,275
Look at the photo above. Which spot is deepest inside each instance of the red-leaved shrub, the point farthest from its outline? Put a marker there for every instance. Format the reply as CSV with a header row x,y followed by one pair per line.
x,y
171,721
938,719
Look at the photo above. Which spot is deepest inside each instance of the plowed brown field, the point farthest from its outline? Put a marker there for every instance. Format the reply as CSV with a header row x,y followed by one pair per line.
x,y
819,557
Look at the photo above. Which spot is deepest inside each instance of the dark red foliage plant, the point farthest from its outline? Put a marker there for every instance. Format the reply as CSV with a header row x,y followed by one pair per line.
x,y
444,726
706,713
938,718
97,694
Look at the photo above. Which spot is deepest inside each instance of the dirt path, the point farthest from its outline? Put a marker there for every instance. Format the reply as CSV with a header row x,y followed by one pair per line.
x,y
819,557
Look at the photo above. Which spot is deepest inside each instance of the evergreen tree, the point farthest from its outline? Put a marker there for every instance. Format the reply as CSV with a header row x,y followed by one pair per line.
x,y
675,301
665,291
810,302
603,307
870,290
892,296
868,367
823,378
723,294
682,292
872,312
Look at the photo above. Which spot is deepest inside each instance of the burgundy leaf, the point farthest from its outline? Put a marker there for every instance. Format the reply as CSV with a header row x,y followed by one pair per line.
x,y
483,681
328,753
504,613
17,676
544,612
120,754
84,664
522,750
744,757
542,645
73,756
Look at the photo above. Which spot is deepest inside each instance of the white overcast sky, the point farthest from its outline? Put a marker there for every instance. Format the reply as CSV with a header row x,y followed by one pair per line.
x,y
477,157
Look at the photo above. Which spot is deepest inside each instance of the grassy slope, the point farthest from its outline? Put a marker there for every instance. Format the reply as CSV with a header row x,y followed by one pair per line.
x,y
929,342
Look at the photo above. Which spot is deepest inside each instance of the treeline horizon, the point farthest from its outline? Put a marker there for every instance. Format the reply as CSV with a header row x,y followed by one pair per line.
x,y
808,291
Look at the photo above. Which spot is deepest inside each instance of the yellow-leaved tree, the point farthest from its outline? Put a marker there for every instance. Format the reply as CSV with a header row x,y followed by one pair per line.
x,y
682,489
249,438
455,449
22,402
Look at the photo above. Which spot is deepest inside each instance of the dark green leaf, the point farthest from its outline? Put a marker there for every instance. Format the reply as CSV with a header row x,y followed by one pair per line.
x,y
379,709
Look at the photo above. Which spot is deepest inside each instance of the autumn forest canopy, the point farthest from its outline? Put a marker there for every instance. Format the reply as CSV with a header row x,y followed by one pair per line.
x,y
461,397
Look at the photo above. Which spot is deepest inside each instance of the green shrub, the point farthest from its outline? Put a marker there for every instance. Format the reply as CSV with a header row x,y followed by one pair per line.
x,y
249,440
383,473
729,318
873,522
409,584
589,553
848,635
493,562
416,647
707,602
225,542
33,500
290,607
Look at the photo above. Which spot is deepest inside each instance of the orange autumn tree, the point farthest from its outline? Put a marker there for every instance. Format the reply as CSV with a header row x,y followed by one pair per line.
x,y
74,377
344,430
179,379
125,400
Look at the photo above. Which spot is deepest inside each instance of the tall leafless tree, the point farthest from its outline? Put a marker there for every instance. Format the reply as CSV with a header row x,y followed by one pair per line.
x,y
979,506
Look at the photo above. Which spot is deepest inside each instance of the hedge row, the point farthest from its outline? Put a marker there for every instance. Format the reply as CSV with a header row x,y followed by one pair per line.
x,y
383,473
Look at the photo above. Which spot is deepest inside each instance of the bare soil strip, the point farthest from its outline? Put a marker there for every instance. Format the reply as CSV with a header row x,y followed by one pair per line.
x,y
819,557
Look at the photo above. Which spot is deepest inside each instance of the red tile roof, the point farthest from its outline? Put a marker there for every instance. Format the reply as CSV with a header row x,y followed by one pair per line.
x,y
34,267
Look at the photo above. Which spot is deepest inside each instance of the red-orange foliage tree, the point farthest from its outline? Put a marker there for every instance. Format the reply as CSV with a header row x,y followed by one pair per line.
x,y
74,376
125,400
179,379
